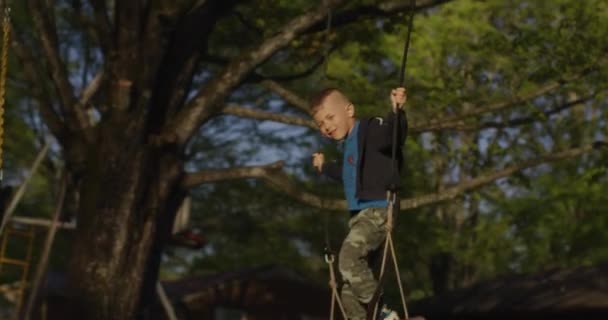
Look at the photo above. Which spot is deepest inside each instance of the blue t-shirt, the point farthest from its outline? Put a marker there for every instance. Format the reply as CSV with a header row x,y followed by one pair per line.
x,y
349,174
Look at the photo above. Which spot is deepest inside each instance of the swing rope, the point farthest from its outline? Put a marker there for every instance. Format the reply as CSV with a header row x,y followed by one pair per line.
x,y
333,284
406,47
3,68
392,196
389,245
329,256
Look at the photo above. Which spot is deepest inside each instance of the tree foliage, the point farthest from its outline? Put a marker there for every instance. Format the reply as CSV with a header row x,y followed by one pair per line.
x,y
491,85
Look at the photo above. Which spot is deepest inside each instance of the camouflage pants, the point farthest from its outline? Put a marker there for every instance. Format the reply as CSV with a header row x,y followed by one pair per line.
x,y
367,233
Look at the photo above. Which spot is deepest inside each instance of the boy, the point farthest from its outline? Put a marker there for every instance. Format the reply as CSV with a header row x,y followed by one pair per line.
x,y
366,171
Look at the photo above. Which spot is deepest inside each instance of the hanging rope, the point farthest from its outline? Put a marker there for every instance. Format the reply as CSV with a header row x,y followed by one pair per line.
x,y
333,284
3,67
324,81
392,193
329,255
406,47
329,258
389,247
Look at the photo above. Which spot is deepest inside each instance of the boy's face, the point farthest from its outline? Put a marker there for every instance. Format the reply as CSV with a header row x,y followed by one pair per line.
x,y
335,117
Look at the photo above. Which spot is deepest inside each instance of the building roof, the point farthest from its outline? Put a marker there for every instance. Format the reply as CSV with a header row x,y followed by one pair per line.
x,y
191,285
559,293
259,288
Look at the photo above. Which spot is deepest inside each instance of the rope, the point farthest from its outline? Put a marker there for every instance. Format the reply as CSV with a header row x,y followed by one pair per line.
x,y
406,47
389,244
396,265
392,196
328,254
3,69
389,247
335,295
329,258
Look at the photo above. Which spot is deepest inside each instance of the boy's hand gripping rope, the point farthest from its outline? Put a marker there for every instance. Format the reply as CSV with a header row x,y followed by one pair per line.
x,y
392,197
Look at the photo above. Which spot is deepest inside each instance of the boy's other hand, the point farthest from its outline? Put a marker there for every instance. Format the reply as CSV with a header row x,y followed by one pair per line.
x,y
317,161
398,98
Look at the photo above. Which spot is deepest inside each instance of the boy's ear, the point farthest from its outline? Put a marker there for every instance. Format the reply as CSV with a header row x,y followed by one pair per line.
x,y
350,110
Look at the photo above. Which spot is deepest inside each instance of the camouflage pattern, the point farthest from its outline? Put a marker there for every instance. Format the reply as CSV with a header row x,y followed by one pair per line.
x,y
367,234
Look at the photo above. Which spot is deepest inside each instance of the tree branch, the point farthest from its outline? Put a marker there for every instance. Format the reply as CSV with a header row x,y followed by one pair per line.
x,y
126,63
459,189
454,122
295,76
383,9
215,59
91,89
83,21
182,57
279,180
31,71
541,116
248,24
461,125
600,144
289,96
264,115
89,92
206,102
76,117
215,175
457,121
103,27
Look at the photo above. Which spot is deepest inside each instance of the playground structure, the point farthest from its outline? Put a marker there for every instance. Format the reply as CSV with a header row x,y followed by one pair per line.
x,y
23,293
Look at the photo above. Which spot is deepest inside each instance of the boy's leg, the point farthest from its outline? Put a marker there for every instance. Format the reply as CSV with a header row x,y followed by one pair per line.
x,y
353,307
367,233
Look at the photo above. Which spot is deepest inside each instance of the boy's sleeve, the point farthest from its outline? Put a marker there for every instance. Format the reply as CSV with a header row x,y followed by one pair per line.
x,y
380,132
333,170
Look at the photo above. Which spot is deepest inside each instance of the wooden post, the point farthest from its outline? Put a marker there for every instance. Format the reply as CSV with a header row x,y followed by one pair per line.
x,y
48,244
164,300
16,198
38,222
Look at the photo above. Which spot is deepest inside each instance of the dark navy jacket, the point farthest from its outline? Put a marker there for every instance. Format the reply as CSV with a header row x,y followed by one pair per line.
x,y
375,167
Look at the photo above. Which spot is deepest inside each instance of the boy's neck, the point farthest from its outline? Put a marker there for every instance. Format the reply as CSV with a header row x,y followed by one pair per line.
x,y
351,124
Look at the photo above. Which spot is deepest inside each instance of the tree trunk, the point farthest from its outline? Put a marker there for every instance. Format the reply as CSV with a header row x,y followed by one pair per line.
x,y
123,194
